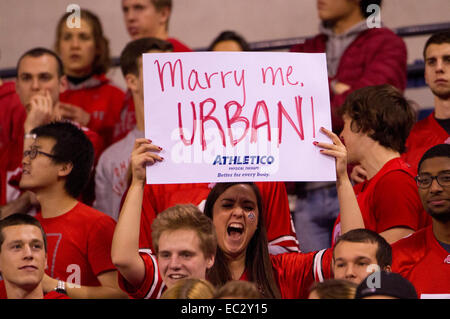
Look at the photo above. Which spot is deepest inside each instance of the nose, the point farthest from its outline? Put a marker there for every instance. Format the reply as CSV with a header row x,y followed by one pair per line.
x,y
435,187
174,263
35,84
27,252
238,212
74,42
349,272
130,15
439,65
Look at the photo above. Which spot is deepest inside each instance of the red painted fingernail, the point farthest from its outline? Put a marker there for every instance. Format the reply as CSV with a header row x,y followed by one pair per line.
x,y
160,148
315,143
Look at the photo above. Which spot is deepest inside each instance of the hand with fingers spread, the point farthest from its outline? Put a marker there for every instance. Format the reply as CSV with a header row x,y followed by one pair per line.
x,y
40,111
74,113
337,150
143,154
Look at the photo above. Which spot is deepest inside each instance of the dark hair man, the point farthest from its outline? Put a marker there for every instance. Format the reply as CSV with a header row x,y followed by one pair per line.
x,y
424,257
56,167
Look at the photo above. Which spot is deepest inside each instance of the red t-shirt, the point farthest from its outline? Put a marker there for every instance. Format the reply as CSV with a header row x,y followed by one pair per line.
x,y
424,135
79,245
389,199
102,100
280,231
424,262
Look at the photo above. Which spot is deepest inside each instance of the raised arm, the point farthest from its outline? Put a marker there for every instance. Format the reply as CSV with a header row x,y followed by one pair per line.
x,y
351,217
125,244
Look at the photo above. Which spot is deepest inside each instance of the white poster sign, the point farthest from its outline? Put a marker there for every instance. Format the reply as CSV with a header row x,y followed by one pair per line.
x,y
237,116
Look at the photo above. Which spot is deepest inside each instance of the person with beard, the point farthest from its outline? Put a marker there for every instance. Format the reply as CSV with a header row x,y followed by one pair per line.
x,y
424,257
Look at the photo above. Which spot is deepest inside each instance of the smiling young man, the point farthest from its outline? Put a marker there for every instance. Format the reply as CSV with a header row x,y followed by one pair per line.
x,y
424,257
23,258
56,167
184,239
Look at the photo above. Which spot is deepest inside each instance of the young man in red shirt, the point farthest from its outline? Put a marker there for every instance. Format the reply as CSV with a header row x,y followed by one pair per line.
x,y
435,128
358,55
424,257
23,258
57,162
40,79
377,121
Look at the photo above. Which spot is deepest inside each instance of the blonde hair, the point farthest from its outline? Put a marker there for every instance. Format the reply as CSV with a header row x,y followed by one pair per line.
x,y
334,289
186,216
238,289
190,288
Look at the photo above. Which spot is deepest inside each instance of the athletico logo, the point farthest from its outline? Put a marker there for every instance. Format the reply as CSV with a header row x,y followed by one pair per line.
x,y
244,160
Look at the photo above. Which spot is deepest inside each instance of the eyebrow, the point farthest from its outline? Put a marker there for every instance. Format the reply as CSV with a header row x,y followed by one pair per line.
x,y
19,241
446,171
356,258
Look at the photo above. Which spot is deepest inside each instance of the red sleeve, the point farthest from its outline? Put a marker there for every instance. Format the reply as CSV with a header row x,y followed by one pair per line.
x,y
397,203
152,285
301,269
280,228
99,241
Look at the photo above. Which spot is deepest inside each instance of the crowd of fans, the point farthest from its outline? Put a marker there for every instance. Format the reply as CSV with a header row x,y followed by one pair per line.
x,y
77,219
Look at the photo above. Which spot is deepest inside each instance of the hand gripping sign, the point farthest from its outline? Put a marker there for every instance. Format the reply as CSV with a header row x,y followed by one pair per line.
x,y
237,116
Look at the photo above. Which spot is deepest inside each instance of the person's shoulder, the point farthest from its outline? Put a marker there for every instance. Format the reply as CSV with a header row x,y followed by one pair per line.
x,y
178,46
411,242
91,213
117,148
381,35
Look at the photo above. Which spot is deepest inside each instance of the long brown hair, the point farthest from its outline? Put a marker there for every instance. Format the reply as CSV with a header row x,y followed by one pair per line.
x,y
102,60
257,260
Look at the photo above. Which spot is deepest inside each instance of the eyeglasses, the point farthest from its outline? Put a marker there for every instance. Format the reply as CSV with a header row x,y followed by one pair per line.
x,y
425,181
33,153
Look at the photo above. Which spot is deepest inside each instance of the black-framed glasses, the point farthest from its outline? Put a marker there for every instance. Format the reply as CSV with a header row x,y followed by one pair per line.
x,y
425,181
33,153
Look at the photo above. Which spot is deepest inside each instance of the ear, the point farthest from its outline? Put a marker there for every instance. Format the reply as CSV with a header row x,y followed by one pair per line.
x,y
63,84
210,262
65,169
132,82
164,14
